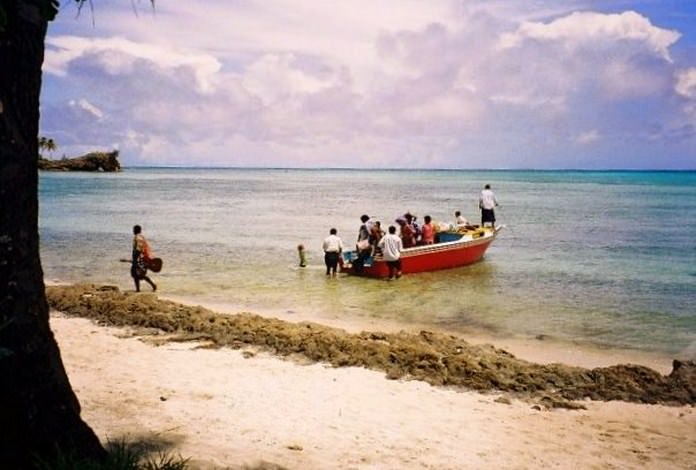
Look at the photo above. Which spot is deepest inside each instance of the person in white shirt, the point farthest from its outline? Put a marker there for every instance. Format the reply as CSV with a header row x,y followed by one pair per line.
x,y
461,222
487,204
333,247
391,246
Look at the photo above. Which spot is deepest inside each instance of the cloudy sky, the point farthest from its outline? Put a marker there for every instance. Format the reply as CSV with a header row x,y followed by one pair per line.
x,y
380,84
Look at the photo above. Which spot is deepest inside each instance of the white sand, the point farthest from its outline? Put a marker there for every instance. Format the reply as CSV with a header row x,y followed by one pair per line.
x,y
224,410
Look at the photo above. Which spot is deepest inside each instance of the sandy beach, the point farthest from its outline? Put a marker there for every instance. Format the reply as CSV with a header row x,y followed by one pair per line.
x,y
247,408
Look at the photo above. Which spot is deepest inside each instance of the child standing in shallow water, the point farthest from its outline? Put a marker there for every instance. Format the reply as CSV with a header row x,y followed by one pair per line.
x,y
301,254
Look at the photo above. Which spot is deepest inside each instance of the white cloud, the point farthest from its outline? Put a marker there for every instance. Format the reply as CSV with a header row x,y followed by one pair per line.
x,y
686,83
118,56
341,33
527,100
588,137
590,28
82,105
273,77
623,78
685,86
392,83
614,57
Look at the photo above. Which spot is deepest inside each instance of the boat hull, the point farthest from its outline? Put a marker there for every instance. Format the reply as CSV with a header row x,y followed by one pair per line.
x,y
467,250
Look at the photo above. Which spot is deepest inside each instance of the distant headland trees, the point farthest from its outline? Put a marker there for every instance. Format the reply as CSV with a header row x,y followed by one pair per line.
x,y
92,161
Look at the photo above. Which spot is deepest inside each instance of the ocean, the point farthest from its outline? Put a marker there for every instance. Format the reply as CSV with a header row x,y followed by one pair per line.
x,y
590,257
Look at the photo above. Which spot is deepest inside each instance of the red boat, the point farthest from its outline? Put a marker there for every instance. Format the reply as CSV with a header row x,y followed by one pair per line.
x,y
452,250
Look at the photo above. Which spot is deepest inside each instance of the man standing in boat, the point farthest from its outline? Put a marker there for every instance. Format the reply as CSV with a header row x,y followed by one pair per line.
x,y
391,252
487,204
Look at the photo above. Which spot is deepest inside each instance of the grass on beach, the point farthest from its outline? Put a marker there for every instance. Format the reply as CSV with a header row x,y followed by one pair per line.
x,y
121,455
436,358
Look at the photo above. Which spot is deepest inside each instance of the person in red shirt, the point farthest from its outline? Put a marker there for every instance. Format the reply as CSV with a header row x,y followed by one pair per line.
x,y
141,255
427,231
408,234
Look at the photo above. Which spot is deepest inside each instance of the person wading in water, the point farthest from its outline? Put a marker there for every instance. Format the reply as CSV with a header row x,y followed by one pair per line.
x,y
141,255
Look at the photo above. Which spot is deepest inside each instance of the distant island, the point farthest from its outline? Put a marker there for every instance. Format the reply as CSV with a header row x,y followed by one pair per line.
x,y
93,161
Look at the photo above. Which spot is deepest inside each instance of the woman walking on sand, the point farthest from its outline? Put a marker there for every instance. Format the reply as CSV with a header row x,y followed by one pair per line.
x,y
141,255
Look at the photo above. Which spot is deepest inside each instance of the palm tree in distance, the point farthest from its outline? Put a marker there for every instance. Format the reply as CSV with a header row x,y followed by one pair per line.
x,y
51,146
43,142
47,144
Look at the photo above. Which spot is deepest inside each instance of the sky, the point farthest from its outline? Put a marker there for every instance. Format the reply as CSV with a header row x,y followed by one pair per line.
x,y
466,84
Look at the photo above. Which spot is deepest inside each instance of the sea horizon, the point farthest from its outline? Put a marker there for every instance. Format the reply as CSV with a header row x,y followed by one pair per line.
x,y
322,168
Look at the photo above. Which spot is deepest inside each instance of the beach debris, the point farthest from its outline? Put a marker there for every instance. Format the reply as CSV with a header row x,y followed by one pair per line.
x,y
436,358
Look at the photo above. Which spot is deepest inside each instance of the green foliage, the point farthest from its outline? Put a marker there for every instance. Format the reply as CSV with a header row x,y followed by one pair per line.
x,y
121,456
47,144
165,462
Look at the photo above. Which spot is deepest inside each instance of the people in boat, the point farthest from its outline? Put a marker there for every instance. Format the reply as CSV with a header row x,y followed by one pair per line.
x,y
459,219
376,234
412,221
462,222
487,204
391,246
363,248
333,247
427,231
408,234
140,256
364,230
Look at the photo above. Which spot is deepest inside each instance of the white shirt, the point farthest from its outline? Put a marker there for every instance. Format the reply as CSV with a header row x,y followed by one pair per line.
x,y
391,246
461,220
332,243
487,199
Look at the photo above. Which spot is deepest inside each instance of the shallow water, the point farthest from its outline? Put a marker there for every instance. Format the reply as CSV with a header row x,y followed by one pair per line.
x,y
602,257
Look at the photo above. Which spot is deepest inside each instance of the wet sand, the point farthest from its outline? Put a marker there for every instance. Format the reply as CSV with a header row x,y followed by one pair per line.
x,y
235,390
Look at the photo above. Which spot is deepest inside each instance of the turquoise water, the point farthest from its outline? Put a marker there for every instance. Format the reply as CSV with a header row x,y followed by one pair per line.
x,y
607,258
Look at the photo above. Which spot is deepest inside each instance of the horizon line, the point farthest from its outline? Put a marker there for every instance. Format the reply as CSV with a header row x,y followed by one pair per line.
x,y
219,167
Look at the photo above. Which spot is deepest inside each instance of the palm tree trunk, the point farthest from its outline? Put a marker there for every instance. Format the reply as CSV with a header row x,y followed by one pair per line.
x,y
39,413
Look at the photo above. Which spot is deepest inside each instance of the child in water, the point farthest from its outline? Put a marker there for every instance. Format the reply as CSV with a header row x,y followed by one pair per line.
x,y
301,253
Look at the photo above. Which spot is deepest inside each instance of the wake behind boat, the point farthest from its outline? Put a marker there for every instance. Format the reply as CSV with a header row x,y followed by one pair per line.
x,y
451,250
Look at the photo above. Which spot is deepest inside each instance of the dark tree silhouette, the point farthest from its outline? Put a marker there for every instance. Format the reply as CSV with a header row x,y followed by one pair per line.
x,y
39,413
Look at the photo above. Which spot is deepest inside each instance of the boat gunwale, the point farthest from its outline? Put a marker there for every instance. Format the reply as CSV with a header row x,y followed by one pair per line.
x,y
487,237
444,246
